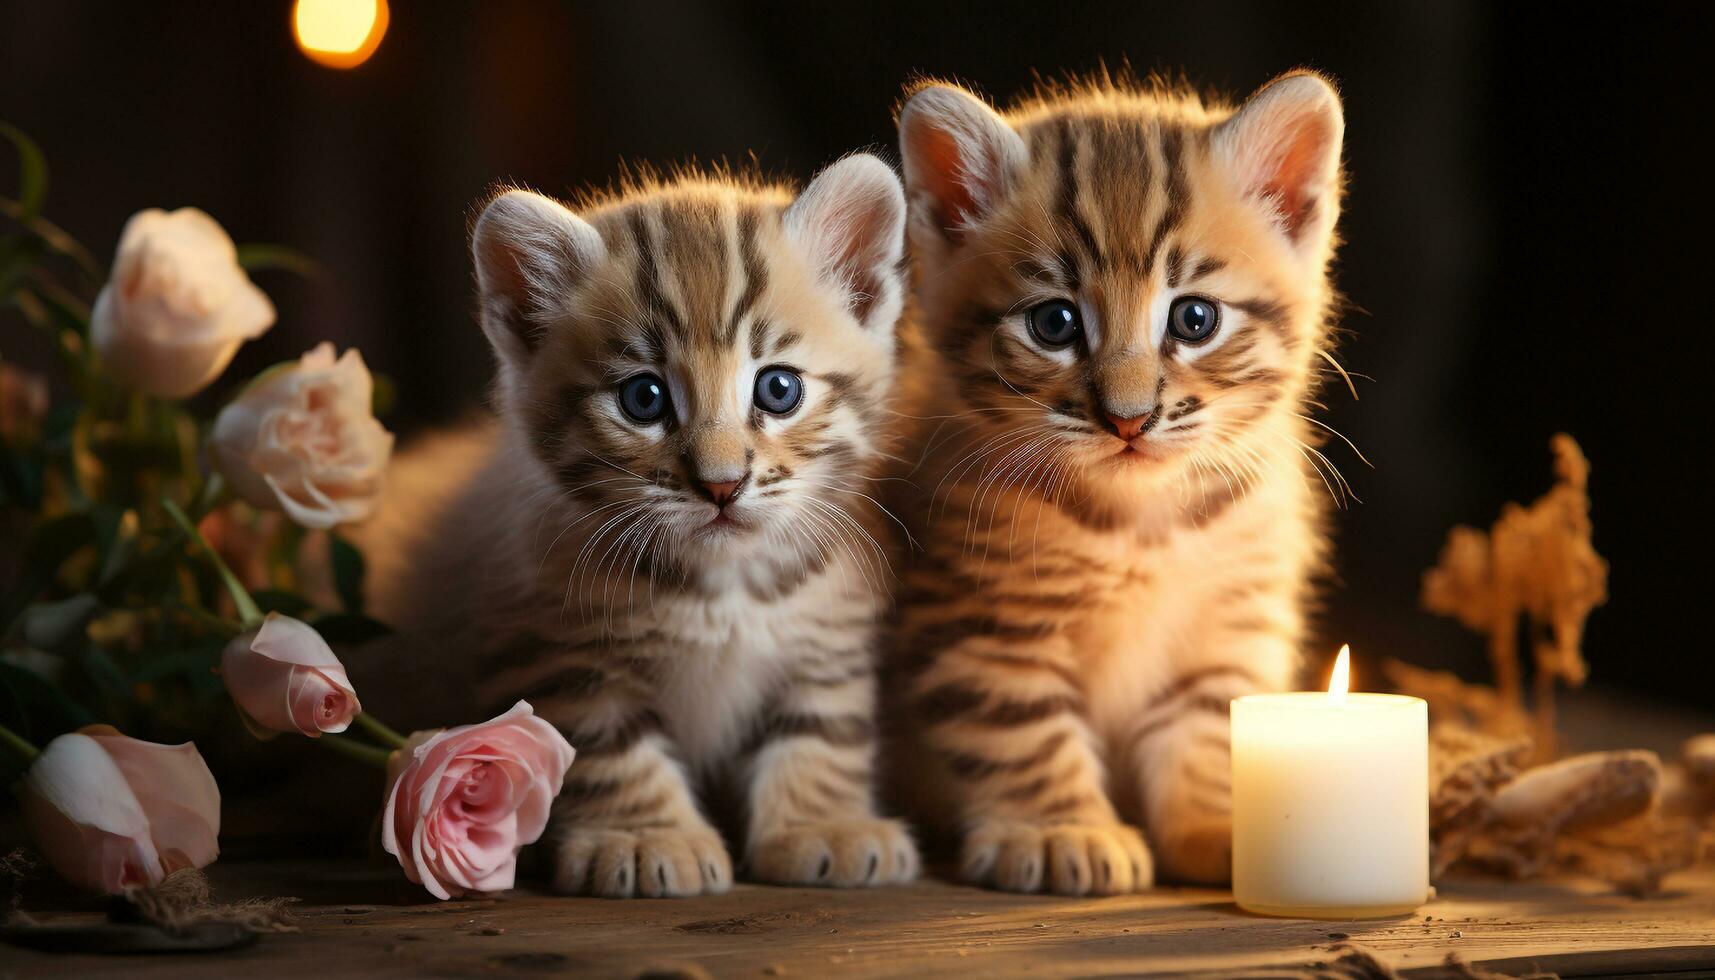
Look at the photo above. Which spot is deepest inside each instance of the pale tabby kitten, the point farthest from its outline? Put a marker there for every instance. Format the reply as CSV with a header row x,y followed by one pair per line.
x,y
665,542
1123,295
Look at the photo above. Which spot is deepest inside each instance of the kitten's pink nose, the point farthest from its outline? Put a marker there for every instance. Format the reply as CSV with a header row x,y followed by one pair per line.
x,y
721,493
1129,429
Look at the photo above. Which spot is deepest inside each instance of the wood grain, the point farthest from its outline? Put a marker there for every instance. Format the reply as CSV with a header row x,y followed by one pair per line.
x,y
385,928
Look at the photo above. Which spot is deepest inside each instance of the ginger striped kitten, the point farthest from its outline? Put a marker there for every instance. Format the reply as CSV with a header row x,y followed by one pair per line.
x,y
664,542
1121,294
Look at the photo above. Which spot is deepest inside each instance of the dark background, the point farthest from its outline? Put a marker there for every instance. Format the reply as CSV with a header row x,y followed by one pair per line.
x,y
1524,231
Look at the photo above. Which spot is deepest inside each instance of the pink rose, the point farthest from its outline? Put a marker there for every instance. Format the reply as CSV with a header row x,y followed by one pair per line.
x,y
462,802
303,438
111,813
178,306
284,678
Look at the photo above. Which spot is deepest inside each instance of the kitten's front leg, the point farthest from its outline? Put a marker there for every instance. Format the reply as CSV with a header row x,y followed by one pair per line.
x,y
1007,725
1181,746
809,772
626,823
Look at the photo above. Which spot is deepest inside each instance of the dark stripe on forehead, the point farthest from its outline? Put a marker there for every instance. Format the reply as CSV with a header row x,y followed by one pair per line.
x,y
645,347
1034,270
755,280
784,340
649,281
1173,208
1069,213
697,248
1208,267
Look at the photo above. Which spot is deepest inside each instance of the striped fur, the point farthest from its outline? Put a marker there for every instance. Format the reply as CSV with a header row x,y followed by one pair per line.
x,y
711,673
1085,603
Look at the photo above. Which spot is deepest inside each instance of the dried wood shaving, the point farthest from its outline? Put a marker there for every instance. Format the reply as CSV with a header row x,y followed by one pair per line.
x,y
1590,790
1466,767
183,899
1698,756
1454,702
1634,855
1621,816
1536,562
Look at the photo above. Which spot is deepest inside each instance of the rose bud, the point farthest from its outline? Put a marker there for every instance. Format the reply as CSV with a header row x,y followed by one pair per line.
x,y
178,305
462,802
284,678
111,813
303,439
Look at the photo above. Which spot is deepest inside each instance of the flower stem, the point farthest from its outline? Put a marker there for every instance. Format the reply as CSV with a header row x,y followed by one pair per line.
x,y
16,744
249,614
213,489
381,732
352,748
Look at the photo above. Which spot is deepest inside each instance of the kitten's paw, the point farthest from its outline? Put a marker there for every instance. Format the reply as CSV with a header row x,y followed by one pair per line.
x,y
1198,852
839,853
1066,859
665,862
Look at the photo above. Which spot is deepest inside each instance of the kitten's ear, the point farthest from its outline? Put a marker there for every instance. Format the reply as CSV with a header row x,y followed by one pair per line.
x,y
960,156
1284,146
529,252
850,221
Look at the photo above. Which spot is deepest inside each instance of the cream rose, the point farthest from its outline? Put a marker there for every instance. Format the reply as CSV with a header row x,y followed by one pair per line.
x,y
284,678
462,802
302,438
178,305
111,813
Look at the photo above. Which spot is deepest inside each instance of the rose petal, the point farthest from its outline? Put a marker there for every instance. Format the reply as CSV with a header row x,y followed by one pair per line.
x,y
284,678
462,802
177,793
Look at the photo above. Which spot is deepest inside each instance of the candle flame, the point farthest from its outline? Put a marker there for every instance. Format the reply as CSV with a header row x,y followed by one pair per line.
x,y
339,33
1342,677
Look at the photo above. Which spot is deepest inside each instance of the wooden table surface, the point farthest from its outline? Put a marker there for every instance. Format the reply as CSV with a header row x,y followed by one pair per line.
x,y
383,927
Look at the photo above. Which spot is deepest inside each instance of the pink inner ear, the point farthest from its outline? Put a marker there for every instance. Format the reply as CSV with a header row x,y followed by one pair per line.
x,y
857,253
1297,176
948,177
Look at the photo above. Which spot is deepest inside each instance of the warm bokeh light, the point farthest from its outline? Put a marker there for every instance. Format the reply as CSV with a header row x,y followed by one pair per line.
x,y
1342,678
339,33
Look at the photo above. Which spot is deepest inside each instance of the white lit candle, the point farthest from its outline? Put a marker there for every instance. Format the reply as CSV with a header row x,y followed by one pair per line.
x,y
1330,802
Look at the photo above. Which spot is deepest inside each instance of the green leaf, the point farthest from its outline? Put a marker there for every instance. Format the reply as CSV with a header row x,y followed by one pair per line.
x,y
35,708
284,603
255,257
54,626
195,664
351,628
348,572
55,239
98,666
21,479
47,547
61,421
32,172
385,395
19,253
52,542
119,542
68,310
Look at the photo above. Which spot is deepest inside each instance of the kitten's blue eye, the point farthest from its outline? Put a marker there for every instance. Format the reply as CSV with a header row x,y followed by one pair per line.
x,y
644,398
778,390
1193,319
1055,323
